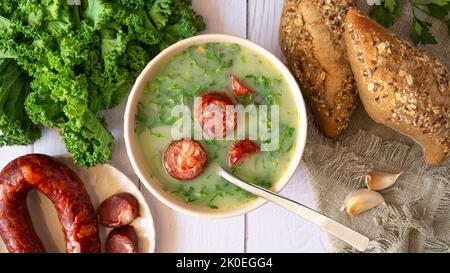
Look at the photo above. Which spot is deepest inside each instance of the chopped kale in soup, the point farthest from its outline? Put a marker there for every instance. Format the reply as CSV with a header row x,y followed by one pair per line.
x,y
209,69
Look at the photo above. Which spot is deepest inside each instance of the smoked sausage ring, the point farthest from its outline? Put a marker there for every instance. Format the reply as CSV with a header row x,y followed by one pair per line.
x,y
66,192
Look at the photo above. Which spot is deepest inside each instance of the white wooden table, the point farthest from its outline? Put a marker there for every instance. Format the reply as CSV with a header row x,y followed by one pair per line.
x,y
268,229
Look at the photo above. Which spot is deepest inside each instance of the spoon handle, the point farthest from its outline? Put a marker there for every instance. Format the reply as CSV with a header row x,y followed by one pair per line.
x,y
337,229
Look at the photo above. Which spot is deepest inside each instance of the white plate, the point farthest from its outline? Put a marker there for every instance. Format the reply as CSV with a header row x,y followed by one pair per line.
x,y
101,182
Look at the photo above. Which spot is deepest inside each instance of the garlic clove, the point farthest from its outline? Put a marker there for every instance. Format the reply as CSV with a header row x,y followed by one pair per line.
x,y
380,180
361,200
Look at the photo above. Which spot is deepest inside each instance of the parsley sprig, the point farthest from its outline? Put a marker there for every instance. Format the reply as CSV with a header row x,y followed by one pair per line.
x,y
390,10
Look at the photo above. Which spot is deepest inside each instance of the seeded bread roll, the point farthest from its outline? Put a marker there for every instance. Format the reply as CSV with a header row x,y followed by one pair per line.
x,y
400,86
311,36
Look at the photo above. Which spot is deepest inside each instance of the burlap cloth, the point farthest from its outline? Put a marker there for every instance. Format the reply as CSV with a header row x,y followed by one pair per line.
x,y
417,216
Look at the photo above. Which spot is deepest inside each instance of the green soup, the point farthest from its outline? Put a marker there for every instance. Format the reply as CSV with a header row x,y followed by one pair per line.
x,y
199,69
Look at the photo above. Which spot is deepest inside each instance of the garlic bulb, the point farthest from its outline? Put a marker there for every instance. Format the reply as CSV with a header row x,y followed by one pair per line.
x,y
361,200
380,180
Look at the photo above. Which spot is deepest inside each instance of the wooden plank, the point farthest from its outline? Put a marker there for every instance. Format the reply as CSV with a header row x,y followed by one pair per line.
x,y
114,118
263,24
176,232
9,153
50,143
270,228
283,231
223,17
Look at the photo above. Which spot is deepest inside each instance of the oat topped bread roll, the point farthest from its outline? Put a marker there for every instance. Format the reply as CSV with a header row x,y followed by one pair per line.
x,y
311,36
400,86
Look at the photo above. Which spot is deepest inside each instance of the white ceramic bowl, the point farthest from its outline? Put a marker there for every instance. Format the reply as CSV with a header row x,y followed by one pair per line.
x,y
134,150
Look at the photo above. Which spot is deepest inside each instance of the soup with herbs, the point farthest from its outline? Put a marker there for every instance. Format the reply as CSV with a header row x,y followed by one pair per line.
x,y
207,79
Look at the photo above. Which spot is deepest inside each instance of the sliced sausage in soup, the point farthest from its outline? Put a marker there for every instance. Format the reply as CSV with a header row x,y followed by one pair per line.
x,y
240,150
239,88
211,104
185,159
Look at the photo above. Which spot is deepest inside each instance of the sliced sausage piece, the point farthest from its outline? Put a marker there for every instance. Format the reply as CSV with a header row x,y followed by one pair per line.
x,y
239,88
240,150
214,117
185,159
118,210
122,240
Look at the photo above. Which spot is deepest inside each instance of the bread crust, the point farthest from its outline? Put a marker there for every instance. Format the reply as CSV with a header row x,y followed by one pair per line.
x,y
311,37
400,86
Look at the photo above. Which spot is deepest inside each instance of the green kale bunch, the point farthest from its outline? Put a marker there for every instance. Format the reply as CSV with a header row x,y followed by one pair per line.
x,y
62,63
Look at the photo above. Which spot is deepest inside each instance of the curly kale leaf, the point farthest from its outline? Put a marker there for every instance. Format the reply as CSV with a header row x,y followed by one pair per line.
x,y
135,58
188,24
69,92
98,12
92,143
133,4
141,28
160,12
80,59
15,126
113,44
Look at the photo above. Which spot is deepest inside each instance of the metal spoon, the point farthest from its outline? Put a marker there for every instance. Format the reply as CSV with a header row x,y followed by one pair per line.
x,y
346,234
